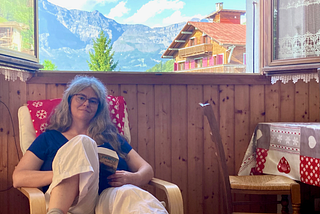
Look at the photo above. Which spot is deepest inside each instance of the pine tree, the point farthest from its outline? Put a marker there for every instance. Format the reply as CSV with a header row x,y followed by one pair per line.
x,y
48,65
101,59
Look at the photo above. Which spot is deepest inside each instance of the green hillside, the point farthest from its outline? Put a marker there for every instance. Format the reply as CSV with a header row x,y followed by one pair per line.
x,y
162,67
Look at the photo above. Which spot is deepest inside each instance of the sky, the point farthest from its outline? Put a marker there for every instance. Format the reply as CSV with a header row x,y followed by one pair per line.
x,y
153,13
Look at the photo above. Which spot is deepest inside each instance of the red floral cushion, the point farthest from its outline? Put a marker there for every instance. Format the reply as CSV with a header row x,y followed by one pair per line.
x,y
40,111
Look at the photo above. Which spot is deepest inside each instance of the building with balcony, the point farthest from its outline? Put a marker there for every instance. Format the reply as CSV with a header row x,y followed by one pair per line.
x,y
217,46
10,35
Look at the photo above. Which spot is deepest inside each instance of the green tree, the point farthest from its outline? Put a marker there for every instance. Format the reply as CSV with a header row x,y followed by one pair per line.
x,y
162,67
48,65
101,59
19,11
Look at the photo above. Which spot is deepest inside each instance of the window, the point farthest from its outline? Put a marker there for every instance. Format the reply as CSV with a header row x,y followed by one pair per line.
x,y
181,66
69,43
292,35
198,63
220,59
206,39
19,33
191,42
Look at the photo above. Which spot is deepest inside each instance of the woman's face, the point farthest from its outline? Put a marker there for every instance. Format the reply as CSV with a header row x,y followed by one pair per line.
x,y
84,105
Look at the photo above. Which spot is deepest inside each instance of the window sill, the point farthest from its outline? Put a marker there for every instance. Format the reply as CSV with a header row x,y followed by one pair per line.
x,y
301,68
12,62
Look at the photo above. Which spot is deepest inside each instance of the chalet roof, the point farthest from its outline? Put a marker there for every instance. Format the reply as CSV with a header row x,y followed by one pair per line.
x,y
242,12
222,33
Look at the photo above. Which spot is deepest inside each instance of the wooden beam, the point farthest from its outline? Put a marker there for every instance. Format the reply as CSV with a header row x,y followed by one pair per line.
x,y
170,57
173,49
179,40
150,78
186,32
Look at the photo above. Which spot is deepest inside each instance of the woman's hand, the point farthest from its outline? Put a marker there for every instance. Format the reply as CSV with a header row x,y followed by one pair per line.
x,y
140,172
120,178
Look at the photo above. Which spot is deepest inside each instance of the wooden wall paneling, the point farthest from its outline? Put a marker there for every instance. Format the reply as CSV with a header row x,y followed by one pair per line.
x,y
314,101
146,123
242,129
242,134
129,92
227,123
257,106
4,138
36,92
301,101
51,91
272,102
60,90
211,173
226,109
195,149
145,130
143,78
287,102
54,91
162,127
167,99
257,114
16,99
179,138
113,89
272,114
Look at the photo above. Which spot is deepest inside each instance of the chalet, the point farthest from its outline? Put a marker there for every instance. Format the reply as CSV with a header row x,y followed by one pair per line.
x,y
10,35
216,46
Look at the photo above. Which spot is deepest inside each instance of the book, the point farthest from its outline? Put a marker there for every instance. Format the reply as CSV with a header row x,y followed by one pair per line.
x,y
109,159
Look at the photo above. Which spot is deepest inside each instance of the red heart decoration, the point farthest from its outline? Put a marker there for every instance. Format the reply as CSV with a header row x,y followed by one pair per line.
x,y
283,166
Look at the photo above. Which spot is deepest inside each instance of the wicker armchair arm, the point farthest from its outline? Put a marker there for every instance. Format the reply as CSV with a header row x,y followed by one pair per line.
x,y
175,203
36,198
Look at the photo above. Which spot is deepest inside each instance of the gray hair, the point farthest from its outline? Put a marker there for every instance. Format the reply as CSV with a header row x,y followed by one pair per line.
x,y
101,128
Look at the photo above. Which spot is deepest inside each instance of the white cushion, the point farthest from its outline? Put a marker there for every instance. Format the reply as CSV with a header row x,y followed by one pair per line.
x,y
126,128
27,133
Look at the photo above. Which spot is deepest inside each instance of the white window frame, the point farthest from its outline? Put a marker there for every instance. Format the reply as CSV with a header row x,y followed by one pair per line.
x,y
253,36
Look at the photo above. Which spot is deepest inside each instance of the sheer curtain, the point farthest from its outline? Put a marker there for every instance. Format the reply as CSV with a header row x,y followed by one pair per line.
x,y
298,29
12,74
296,34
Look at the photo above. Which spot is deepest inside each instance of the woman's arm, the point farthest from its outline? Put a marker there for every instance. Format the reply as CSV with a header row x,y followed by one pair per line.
x,y
27,173
140,172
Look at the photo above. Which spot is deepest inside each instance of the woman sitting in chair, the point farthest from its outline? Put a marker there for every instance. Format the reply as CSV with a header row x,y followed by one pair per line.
x,y
64,160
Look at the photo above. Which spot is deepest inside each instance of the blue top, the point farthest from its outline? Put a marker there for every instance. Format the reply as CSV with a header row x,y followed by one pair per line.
x,y
48,143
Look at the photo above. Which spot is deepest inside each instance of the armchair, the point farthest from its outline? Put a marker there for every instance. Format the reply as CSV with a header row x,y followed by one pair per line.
x,y
27,134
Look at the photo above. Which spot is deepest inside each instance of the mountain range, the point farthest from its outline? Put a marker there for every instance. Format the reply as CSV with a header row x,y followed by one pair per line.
x,y
66,37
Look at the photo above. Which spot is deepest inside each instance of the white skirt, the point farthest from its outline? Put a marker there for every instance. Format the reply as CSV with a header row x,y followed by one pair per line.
x,y
78,156
128,199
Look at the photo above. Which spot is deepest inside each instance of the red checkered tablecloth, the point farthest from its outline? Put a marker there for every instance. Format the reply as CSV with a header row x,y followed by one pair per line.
x,y
288,149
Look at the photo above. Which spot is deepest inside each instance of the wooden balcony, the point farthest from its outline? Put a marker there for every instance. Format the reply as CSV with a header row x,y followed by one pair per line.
x,y
195,50
224,68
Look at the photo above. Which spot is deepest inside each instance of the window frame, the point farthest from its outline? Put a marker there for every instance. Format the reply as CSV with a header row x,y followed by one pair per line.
x,y
16,59
268,63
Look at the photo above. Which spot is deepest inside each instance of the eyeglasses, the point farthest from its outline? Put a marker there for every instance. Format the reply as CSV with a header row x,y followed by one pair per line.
x,y
81,98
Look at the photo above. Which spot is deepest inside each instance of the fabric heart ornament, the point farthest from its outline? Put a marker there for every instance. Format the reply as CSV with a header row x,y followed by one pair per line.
x,y
283,166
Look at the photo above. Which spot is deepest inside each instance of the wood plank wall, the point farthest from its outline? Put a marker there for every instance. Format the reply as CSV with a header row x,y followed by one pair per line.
x,y
167,125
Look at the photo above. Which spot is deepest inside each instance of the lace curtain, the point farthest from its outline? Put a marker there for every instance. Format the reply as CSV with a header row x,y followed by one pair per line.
x,y
296,34
285,78
12,74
